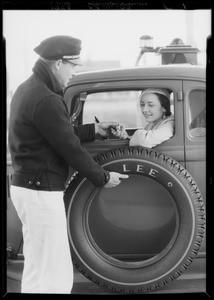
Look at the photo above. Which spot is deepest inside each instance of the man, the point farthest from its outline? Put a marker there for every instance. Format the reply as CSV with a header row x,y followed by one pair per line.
x,y
43,144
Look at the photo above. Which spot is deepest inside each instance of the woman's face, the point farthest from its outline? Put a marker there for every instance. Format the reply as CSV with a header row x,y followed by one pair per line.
x,y
151,107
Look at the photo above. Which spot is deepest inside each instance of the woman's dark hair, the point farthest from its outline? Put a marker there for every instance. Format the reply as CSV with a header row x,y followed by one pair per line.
x,y
165,103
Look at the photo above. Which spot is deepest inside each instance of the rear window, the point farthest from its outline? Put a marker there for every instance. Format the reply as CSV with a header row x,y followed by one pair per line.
x,y
197,113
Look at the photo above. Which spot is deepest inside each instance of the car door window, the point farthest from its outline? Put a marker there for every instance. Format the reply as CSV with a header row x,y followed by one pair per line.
x,y
116,106
120,106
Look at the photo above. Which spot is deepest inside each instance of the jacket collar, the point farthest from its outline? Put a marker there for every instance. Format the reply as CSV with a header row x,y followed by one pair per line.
x,y
41,70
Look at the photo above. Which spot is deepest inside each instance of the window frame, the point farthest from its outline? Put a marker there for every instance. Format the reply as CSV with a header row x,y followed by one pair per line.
x,y
188,88
173,147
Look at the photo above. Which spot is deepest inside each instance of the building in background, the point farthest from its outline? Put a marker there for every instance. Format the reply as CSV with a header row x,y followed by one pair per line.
x,y
177,53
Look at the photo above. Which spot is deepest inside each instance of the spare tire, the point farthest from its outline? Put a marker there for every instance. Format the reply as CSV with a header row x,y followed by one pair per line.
x,y
142,234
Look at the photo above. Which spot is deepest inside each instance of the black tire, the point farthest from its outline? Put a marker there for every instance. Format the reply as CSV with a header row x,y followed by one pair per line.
x,y
170,261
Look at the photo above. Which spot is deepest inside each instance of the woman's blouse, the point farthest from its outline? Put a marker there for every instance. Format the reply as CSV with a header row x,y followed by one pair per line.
x,y
161,132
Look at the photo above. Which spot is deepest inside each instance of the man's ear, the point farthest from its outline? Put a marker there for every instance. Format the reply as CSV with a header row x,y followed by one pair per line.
x,y
58,64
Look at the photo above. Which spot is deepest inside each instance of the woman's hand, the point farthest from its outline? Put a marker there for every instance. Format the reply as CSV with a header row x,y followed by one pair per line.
x,y
120,132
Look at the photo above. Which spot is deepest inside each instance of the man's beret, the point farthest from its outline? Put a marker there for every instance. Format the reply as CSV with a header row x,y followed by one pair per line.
x,y
60,47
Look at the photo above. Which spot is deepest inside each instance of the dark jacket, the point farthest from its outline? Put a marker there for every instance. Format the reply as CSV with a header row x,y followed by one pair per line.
x,y
42,141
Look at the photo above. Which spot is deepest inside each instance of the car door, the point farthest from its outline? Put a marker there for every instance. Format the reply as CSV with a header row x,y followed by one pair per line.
x,y
195,135
195,131
118,101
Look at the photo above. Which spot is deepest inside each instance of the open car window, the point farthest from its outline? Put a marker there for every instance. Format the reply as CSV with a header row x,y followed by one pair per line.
x,y
117,106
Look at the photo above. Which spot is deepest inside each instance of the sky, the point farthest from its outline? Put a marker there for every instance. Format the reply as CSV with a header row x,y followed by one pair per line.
x,y
105,34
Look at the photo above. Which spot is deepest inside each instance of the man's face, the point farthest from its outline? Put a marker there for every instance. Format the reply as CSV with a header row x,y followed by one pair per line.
x,y
65,72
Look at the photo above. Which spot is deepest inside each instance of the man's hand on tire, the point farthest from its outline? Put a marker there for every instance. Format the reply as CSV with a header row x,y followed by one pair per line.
x,y
114,179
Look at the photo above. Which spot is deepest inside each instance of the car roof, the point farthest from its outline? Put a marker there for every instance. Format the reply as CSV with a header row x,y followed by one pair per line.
x,y
182,71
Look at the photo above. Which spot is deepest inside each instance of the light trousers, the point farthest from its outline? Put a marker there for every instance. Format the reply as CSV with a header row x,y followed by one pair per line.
x,y
47,260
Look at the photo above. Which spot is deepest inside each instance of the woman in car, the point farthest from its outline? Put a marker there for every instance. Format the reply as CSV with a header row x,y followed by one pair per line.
x,y
155,106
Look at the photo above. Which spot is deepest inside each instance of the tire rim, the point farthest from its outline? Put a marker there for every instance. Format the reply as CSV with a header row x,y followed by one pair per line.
x,y
117,262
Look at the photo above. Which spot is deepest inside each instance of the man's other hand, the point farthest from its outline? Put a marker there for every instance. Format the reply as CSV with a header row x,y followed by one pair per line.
x,y
115,179
103,129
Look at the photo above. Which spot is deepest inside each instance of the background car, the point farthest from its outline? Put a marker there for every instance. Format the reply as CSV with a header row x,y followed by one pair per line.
x,y
148,234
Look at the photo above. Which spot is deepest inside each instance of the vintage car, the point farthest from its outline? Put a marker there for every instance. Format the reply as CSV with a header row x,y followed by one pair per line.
x,y
149,232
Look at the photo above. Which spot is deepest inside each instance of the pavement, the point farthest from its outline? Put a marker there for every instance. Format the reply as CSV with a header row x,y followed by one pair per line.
x,y
186,283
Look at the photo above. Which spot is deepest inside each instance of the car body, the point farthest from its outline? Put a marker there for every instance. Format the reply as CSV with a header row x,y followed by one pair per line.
x,y
112,95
